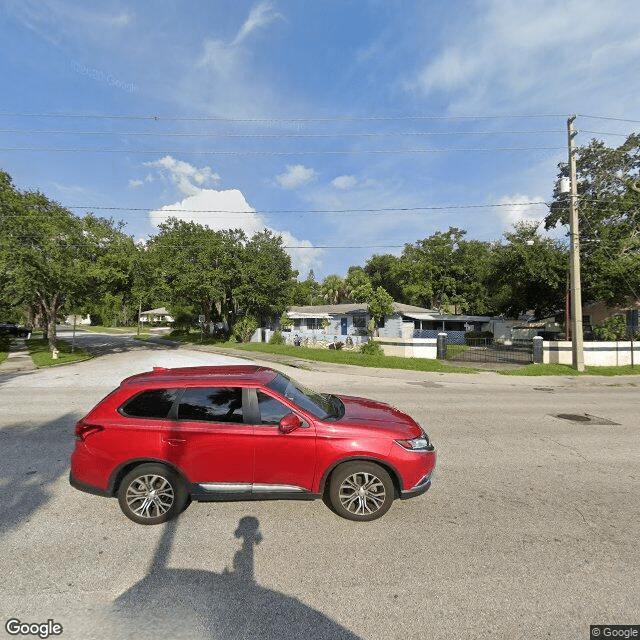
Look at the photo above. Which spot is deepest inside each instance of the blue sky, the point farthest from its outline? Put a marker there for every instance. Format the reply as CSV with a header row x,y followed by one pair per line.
x,y
351,127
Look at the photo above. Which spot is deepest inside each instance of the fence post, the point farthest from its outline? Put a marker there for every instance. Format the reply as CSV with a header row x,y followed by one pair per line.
x,y
442,346
538,350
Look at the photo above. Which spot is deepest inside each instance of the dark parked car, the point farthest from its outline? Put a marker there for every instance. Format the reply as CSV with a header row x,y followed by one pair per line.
x,y
14,330
245,432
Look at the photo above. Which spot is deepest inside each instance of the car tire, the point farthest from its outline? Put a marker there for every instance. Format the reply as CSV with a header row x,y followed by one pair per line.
x,y
361,491
152,494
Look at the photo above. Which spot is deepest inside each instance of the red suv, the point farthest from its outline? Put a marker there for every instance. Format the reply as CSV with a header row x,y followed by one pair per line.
x,y
244,432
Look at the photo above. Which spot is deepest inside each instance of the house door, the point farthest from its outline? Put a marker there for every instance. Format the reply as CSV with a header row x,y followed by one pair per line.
x,y
343,326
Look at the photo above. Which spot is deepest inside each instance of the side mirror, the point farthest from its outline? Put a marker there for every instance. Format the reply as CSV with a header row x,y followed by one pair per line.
x,y
290,423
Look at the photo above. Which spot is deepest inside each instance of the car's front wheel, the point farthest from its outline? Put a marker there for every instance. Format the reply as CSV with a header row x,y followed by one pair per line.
x,y
151,494
361,491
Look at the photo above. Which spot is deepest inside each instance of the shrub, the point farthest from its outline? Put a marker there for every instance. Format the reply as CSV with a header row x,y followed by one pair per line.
x,y
276,338
371,348
613,329
245,328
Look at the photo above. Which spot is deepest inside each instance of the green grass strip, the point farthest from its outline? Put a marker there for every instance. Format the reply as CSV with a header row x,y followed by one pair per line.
x,y
43,357
568,370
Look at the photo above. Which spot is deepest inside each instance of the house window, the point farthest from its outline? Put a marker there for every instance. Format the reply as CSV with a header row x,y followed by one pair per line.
x,y
360,322
314,323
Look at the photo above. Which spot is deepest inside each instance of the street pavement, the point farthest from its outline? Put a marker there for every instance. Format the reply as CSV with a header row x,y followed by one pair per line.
x,y
530,530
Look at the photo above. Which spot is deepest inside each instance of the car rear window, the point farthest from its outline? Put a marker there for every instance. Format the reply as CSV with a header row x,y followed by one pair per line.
x,y
211,404
155,403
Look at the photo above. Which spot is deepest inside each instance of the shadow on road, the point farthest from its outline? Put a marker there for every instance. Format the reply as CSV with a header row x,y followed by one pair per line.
x,y
33,458
190,603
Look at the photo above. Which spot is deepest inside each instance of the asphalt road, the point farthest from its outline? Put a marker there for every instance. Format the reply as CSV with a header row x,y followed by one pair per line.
x,y
530,530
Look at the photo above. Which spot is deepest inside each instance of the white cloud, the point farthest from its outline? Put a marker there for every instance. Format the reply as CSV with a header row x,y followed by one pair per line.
x,y
185,176
260,16
136,184
224,209
542,52
344,182
521,208
295,176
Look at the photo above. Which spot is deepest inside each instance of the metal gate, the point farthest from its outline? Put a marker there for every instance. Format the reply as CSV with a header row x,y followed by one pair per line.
x,y
485,350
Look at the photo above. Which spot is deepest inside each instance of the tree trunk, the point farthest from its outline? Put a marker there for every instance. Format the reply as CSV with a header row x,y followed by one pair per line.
x,y
51,310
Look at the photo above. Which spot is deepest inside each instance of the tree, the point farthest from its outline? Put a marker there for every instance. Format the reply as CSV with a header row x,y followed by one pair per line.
x,y
48,254
357,285
334,290
528,273
267,278
384,271
379,304
608,182
187,264
307,292
431,271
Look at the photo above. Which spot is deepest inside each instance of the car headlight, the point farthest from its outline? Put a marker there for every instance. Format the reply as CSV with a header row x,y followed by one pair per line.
x,y
421,443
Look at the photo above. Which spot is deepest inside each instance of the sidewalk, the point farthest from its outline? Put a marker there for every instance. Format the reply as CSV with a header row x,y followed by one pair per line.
x,y
19,360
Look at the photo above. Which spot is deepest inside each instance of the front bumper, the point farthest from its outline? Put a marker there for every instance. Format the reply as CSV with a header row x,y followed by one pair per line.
x,y
424,484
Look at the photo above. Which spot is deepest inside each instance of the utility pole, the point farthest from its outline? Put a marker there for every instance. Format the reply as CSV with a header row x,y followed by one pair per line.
x,y
577,345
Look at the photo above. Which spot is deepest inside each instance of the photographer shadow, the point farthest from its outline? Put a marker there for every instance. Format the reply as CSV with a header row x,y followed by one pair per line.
x,y
190,603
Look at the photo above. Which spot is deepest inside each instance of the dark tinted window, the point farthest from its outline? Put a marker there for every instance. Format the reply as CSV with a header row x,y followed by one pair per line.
x,y
212,404
271,410
150,404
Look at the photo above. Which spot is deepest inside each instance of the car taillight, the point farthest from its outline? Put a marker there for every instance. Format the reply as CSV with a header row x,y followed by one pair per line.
x,y
84,429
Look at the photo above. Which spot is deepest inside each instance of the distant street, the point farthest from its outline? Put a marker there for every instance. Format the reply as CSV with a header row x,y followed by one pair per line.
x,y
530,531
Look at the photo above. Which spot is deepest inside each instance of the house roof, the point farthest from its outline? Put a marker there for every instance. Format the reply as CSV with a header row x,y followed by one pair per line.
x,y
156,312
328,310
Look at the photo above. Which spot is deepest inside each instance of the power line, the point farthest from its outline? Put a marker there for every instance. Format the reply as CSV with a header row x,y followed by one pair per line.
x,y
278,153
216,134
373,211
159,118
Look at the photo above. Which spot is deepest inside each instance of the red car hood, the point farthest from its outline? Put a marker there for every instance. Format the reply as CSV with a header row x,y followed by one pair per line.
x,y
374,414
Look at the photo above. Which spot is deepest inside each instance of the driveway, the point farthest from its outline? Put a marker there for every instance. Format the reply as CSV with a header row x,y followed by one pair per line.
x,y
530,529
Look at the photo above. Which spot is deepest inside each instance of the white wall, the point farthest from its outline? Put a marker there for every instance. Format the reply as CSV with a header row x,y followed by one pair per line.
x,y
596,354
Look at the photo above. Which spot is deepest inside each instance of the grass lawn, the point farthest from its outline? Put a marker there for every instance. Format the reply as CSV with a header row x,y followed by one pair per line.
x,y
42,356
351,357
567,370
101,329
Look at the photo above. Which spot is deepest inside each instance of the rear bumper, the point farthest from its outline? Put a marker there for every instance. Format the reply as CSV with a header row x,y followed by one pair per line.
x,y
422,487
88,488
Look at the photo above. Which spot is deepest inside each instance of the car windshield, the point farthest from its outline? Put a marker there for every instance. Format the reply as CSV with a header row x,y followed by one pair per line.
x,y
323,406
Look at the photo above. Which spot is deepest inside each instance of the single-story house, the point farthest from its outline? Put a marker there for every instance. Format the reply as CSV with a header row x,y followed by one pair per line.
x,y
156,315
339,322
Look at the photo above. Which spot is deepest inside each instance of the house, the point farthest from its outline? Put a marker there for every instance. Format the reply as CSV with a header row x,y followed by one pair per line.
x,y
156,315
343,322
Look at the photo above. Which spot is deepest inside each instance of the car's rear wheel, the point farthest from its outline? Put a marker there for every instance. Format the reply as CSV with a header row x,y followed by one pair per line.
x,y
361,491
151,494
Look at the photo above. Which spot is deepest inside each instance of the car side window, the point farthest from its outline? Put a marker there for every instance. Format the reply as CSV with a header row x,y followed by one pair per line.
x,y
154,404
211,404
271,410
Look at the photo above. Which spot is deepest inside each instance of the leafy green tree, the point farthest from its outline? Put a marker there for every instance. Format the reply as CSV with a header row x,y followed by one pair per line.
x,y
431,272
608,181
334,290
379,304
267,279
384,271
188,264
528,273
357,285
49,254
307,292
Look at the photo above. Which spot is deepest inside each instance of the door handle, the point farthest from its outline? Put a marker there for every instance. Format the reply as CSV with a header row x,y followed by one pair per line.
x,y
174,441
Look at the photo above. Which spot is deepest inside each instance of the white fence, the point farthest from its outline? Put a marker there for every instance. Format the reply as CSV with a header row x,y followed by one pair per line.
x,y
596,354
